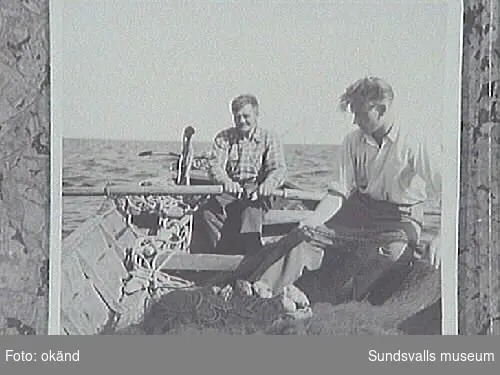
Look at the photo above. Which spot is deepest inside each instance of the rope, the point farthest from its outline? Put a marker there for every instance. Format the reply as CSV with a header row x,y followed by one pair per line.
x,y
374,238
175,217
145,269
146,258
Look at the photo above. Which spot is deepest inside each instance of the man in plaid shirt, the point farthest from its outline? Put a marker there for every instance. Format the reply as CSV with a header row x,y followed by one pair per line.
x,y
249,162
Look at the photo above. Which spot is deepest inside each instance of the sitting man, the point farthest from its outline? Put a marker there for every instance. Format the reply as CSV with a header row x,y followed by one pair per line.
x,y
249,162
386,173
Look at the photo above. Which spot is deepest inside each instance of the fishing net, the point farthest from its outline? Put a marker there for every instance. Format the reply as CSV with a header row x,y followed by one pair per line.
x,y
168,218
206,309
162,303
155,302
172,305
366,240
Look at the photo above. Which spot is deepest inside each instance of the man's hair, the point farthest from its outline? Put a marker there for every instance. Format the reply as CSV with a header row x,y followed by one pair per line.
x,y
366,90
242,101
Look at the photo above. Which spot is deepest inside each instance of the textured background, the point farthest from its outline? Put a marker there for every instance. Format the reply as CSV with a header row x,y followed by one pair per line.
x,y
479,245
24,168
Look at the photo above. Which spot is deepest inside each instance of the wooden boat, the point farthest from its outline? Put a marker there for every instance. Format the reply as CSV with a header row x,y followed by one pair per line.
x,y
100,256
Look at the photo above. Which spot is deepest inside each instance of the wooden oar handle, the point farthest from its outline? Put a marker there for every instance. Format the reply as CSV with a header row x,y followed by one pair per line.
x,y
134,189
299,194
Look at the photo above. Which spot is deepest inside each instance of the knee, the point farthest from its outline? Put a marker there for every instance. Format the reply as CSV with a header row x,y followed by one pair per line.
x,y
393,251
310,256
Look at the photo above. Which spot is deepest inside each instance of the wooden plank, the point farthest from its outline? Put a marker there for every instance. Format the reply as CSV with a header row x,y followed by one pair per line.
x,y
83,310
104,267
70,243
114,225
202,262
273,217
98,258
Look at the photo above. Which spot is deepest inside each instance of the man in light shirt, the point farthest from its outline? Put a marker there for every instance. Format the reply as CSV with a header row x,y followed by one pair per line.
x,y
386,174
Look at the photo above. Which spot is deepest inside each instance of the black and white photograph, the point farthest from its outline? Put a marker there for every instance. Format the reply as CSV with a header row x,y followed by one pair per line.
x,y
277,168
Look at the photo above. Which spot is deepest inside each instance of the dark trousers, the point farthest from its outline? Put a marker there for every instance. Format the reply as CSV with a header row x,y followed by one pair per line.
x,y
232,226
358,216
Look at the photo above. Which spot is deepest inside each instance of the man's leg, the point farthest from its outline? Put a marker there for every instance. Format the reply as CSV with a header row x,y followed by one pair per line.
x,y
307,254
376,262
290,267
399,232
252,216
212,219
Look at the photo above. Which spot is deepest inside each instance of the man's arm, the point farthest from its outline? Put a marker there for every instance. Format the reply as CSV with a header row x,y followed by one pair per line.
x,y
428,165
217,160
275,170
323,212
217,164
332,201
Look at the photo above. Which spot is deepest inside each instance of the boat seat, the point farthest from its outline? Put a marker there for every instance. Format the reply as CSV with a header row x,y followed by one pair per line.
x,y
273,217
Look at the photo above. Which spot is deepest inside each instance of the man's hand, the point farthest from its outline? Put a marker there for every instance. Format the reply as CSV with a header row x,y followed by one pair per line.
x,y
311,221
308,224
232,187
435,251
316,236
266,189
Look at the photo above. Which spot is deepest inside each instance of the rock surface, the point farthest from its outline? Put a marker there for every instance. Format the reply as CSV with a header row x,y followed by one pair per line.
x,y
24,167
479,229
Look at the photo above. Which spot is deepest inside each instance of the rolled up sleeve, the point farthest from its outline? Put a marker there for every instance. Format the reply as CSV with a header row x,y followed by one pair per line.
x,y
218,158
275,169
346,181
428,164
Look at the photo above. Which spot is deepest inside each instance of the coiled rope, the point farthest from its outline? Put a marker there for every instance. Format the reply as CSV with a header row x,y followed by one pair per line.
x,y
145,261
147,281
175,217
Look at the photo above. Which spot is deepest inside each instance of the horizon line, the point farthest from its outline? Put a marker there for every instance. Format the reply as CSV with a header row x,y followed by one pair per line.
x,y
179,141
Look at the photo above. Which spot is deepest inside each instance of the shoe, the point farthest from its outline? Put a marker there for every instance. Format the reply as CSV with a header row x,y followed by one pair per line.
x,y
262,289
297,296
243,288
300,314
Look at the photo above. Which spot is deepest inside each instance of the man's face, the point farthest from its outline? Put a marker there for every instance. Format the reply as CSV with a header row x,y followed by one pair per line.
x,y
245,118
367,117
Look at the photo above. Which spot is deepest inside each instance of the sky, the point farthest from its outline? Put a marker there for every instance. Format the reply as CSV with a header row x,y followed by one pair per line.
x,y
146,69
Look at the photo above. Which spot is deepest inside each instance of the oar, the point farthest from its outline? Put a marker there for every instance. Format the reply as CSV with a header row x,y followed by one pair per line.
x,y
157,153
185,161
134,189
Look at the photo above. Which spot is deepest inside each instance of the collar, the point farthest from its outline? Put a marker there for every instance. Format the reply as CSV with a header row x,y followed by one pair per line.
x,y
255,135
391,135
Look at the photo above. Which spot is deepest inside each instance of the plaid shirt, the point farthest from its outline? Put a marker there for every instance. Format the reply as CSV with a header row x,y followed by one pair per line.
x,y
256,159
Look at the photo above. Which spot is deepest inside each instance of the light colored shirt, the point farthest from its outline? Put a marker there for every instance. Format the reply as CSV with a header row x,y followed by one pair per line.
x,y
403,170
256,158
